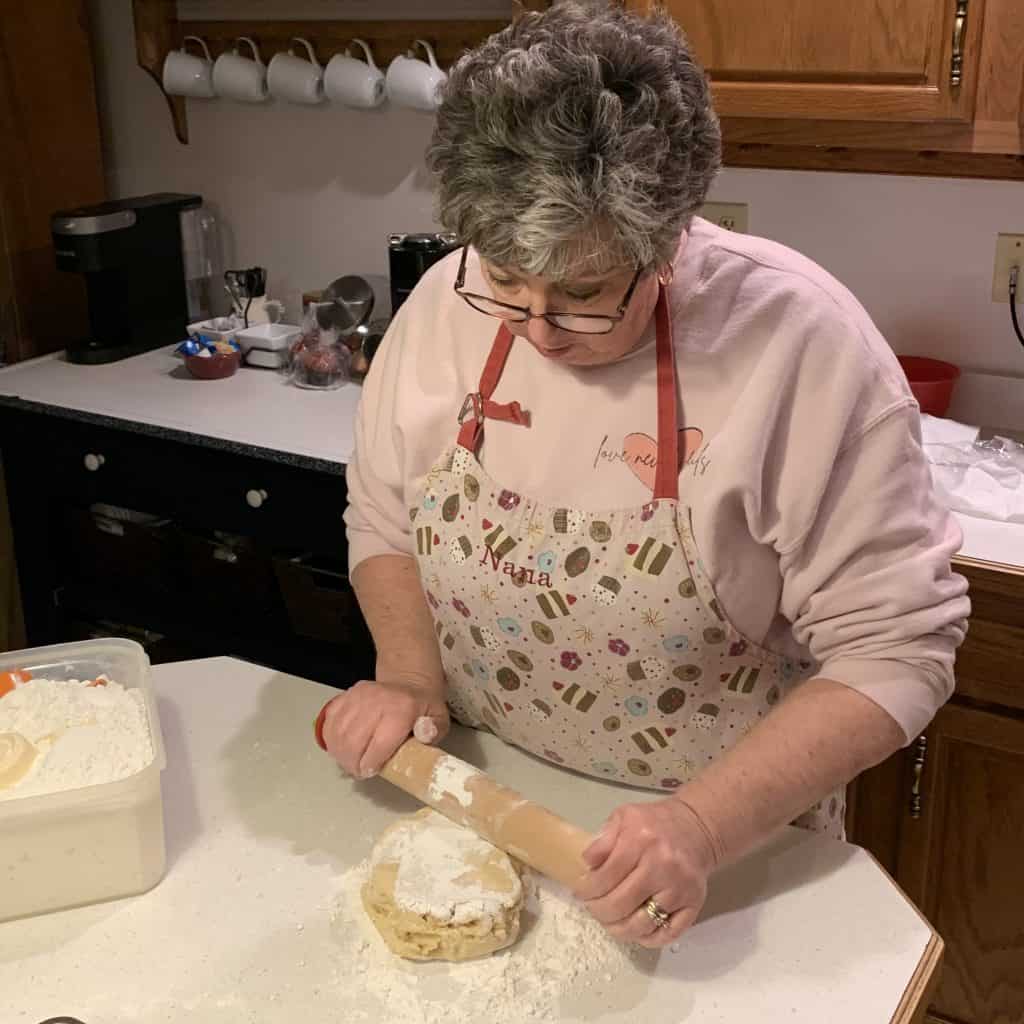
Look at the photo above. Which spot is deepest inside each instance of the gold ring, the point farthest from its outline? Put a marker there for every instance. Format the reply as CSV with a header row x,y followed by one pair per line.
x,y
659,916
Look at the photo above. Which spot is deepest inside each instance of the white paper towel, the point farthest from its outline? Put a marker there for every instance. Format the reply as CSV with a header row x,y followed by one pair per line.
x,y
939,430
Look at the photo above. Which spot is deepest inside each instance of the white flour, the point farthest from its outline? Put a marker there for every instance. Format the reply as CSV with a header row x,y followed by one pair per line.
x,y
452,776
437,879
84,735
562,958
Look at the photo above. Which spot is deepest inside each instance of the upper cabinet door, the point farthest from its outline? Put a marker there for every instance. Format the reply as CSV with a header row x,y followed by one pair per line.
x,y
861,60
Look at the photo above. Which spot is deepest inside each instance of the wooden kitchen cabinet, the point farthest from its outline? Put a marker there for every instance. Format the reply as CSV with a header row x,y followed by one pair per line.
x,y
961,862
884,60
946,815
932,87
50,160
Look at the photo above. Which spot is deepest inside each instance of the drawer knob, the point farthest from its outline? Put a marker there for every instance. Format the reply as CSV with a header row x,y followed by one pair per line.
x,y
255,498
93,462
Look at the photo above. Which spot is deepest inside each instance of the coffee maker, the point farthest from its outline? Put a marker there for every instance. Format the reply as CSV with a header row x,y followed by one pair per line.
x,y
409,257
130,252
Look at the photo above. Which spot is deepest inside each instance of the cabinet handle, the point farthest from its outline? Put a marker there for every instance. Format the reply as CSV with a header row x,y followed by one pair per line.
x,y
956,71
920,755
256,498
93,462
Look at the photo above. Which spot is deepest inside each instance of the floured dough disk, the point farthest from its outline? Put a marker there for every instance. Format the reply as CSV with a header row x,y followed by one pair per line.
x,y
437,891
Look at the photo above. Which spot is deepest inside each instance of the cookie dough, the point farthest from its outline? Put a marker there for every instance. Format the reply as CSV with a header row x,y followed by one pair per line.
x,y
437,891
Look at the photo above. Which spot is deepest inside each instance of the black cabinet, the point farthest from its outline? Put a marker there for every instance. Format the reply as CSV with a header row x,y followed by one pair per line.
x,y
197,549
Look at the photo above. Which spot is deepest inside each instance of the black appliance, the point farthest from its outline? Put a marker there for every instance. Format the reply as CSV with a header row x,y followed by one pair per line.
x,y
410,256
130,252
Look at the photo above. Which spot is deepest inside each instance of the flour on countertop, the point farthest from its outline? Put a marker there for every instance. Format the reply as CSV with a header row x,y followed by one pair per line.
x,y
452,776
437,878
562,956
85,735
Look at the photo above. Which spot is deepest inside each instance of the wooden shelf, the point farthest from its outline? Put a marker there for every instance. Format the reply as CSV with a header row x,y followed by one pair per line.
x,y
158,31
387,39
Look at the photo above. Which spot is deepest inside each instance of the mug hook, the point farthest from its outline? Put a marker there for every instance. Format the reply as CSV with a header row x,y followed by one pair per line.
x,y
200,41
252,44
366,50
309,50
431,59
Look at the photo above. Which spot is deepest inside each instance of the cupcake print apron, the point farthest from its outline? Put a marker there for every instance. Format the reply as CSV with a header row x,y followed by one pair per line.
x,y
592,638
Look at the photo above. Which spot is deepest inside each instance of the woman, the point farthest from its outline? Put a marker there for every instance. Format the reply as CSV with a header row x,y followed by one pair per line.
x,y
642,496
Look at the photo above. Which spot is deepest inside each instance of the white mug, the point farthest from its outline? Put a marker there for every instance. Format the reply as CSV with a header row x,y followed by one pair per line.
x,y
188,75
354,82
296,79
415,83
241,78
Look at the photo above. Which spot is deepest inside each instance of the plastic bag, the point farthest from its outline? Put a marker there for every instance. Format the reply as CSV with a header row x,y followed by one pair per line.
x,y
980,478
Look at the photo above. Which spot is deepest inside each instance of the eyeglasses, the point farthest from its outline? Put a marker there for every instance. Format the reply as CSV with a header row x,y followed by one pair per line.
x,y
575,323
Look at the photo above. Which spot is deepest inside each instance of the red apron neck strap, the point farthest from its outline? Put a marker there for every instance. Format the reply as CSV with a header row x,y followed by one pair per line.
x,y
478,406
666,480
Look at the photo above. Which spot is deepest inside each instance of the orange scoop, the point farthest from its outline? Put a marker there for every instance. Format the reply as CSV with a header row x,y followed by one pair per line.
x,y
9,680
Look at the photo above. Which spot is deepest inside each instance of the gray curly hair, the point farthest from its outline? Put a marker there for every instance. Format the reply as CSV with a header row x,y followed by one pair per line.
x,y
577,139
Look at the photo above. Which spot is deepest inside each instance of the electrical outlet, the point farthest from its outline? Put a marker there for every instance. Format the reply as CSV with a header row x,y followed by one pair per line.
x,y
1009,253
733,216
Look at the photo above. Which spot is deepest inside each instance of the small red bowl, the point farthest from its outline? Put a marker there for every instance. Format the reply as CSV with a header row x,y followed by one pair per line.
x,y
931,382
213,367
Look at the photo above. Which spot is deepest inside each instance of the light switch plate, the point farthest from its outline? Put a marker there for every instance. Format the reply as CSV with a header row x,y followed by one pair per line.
x,y
734,216
1009,253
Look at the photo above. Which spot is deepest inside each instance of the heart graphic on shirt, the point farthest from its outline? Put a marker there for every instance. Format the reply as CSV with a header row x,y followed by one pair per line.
x,y
570,599
632,549
670,732
641,452
437,540
487,524
724,677
558,686
508,707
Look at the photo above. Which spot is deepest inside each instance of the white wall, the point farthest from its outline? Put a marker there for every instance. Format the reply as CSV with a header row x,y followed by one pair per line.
x,y
312,194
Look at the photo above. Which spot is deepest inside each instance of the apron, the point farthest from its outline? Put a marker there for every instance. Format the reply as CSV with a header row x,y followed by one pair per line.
x,y
591,639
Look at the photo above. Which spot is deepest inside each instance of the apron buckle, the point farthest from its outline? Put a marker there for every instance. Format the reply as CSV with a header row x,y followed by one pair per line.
x,y
474,403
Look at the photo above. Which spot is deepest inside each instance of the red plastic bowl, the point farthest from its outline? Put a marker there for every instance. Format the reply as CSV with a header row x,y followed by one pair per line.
x,y
215,367
931,382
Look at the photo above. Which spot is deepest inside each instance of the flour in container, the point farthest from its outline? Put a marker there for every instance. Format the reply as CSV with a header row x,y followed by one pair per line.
x,y
82,734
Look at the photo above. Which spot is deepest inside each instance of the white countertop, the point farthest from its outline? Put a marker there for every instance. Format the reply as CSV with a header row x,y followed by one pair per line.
x,y
989,540
254,407
260,408
260,824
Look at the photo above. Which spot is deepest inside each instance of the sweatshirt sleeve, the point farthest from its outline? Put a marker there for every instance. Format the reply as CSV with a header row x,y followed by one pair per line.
x,y
869,587
376,518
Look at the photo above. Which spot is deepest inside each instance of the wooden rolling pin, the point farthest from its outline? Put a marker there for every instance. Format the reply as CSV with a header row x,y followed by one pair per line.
x,y
505,818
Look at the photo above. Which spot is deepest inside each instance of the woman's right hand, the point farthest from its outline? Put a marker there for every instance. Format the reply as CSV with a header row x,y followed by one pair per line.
x,y
363,726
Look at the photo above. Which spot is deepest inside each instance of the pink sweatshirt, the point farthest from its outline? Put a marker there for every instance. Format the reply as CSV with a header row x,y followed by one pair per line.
x,y
811,500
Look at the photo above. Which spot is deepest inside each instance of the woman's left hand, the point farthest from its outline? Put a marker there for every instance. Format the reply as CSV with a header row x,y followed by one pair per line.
x,y
658,851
